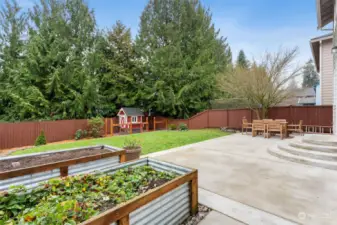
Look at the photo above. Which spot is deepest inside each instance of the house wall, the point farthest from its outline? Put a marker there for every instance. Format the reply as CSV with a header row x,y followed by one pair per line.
x,y
326,73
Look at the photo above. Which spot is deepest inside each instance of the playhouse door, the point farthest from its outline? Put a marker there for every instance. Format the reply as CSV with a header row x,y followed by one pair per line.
x,y
122,121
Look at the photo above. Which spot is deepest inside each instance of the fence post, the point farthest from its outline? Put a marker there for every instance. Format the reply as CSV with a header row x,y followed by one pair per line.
x,y
147,123
130,127
64,171
111,127
154,123
124,221
194,194
207,118
106,126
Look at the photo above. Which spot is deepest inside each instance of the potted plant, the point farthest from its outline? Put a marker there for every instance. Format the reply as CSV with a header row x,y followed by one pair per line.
x,y
132,149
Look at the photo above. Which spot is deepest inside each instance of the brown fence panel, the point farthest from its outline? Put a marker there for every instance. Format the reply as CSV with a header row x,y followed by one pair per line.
x,y
199,121
178,121
311,115
217,118
235,117
24,134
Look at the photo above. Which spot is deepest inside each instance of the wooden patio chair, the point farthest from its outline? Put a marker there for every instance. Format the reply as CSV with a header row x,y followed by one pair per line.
x,y
276,127
258,126
245,125
296,127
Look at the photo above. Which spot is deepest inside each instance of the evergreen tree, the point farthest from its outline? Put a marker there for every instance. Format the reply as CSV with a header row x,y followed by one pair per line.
x,y
62,59
181,54
242,61
310,76
18,98
119,82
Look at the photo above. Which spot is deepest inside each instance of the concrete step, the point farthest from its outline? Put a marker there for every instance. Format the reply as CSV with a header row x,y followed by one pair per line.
x,y
313,147
314,154
325,140
275,151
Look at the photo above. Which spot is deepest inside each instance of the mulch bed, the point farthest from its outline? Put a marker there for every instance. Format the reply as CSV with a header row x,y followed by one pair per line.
x,y
194,220
29,161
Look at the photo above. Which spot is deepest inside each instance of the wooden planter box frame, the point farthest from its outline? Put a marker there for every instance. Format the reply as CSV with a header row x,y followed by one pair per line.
x,y
120,213
63,165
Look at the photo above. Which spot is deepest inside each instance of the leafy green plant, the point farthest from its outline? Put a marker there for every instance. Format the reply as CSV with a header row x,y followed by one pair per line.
x,y
74,199
131,143
95,126
183,127
172,126
79,134
41,139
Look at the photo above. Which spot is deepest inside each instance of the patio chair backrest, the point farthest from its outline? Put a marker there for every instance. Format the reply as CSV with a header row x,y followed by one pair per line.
x,y
281,120
244,120
267,120
258,124
274,125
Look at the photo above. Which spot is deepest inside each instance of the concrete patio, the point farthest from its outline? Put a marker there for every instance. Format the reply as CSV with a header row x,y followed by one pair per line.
x,y
238,178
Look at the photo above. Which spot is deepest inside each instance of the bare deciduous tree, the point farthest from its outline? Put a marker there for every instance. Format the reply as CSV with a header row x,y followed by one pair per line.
x,y
265,84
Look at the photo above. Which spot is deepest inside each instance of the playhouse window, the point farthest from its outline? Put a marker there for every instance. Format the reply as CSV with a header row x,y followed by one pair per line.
x,y
134,119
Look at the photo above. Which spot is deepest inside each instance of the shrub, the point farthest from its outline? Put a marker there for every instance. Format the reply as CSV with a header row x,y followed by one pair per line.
x,y
95,126
41,139
131,143
80,134
172,126
183,127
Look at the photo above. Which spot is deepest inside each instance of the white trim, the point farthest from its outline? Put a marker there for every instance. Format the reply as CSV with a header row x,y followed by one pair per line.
x,y
320,71
321,38
118,114
132,117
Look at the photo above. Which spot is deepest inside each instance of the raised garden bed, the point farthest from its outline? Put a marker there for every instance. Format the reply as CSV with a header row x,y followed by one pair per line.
x,y
145,191
31,169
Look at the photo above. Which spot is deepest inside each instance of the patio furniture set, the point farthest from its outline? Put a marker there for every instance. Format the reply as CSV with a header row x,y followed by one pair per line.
x,y
270,127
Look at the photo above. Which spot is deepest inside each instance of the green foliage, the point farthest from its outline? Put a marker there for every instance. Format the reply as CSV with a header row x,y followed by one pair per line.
x,y
183,53
131,143
310,76
95,126
55,63
172,126
242,60
41,139
79,134
183,127
74,199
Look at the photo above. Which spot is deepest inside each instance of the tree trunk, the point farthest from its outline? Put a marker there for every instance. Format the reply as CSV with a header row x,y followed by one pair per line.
x,y
257,114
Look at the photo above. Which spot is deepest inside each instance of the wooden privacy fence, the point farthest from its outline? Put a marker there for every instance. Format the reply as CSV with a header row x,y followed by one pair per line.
x,y
312,116
24,133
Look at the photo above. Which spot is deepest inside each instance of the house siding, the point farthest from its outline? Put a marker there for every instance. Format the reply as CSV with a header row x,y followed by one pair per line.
x,y
327,73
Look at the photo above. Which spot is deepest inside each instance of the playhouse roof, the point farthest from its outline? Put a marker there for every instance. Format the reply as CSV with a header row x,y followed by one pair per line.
x,y
132,111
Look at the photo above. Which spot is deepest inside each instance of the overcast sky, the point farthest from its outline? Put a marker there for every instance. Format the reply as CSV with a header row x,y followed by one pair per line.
x,y
252,25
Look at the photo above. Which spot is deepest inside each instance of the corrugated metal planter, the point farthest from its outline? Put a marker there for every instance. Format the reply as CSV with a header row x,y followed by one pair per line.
x,y
32,176
170,203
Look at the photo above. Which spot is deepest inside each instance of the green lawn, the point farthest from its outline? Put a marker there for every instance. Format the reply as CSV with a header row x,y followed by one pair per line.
x,y
151,141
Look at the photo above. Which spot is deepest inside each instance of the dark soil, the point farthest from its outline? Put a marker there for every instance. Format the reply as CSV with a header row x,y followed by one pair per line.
x,y
153,184
29,161
194,220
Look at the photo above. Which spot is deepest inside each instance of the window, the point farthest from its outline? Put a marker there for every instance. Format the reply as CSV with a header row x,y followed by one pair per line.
x,y
134,119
